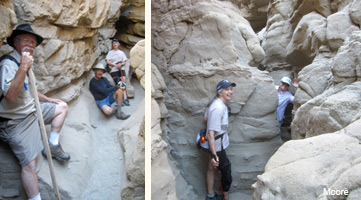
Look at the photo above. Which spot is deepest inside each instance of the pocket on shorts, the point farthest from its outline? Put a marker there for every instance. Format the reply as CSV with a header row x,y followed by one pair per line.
x,y
3,134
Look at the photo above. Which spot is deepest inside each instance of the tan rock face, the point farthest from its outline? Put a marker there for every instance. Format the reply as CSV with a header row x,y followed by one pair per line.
x,y
204,33
8,19
86,14
137,61
337,103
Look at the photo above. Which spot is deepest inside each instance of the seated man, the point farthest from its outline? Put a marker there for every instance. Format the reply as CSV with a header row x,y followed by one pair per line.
x,y
284,97
106,94
19,125
116,59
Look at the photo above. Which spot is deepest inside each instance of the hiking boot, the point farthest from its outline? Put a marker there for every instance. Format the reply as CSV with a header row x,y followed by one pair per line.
x,y
126,102
121,115
57,153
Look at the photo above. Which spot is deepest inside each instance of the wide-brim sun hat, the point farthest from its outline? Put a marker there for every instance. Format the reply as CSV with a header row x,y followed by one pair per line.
x,y
23,29
99,66
225,84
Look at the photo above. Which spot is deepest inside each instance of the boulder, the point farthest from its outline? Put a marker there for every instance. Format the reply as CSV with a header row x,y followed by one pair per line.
x,y
329,161
137,61
339,26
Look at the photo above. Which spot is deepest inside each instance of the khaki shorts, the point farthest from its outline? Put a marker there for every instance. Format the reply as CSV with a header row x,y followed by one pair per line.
x,y
23,135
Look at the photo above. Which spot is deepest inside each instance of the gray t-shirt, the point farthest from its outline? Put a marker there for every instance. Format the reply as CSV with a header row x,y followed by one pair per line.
x,y
217,115
24,104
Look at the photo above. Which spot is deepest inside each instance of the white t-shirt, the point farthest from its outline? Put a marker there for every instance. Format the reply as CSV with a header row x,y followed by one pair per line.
x,y
284,97
115,56
217,115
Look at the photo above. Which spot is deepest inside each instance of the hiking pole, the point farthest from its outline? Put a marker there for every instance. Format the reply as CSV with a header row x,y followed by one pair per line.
x,y
43,131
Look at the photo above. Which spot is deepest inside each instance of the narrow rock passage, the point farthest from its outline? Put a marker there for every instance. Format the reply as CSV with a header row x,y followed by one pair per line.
x,y
109,172
97,168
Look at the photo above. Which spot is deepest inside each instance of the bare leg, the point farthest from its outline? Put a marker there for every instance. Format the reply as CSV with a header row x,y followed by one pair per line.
x,y
118,96
61,111
107,110
226,195
125,91
30,179
210,177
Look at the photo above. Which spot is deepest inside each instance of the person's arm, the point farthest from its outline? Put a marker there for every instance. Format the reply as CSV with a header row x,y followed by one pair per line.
x,y
212,147
17,84
295,83
44,98
205,116
120,64
110,63
213,124
110,88
123,60
103,88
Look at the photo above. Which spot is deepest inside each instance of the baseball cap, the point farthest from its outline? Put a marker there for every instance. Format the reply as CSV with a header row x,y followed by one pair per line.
x,y
225,84
115,39
286,80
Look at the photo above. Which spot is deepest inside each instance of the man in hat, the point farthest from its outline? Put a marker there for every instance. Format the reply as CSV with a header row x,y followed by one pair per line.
x,y
105,94
18,121
116,59
216,117
284,97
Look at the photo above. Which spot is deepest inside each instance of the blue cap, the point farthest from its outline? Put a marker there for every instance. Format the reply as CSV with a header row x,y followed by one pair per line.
x,y
225,84
115,39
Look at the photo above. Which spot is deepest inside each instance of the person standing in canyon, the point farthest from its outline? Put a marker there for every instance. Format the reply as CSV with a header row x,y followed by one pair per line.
x,y
19,124
117,60
284,97
105,94
216,117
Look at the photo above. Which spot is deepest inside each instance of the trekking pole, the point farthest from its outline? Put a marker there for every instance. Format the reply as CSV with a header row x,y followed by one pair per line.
x,y
43,131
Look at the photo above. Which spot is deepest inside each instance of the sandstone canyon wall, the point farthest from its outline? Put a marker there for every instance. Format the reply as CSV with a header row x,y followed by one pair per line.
x,y
195,44
76,37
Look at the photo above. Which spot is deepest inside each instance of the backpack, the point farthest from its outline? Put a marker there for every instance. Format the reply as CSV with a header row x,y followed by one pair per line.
x,y
9,58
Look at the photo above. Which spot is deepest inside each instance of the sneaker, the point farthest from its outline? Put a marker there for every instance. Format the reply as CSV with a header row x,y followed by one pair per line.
x,y
126,102
57,153
121,115
216,197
